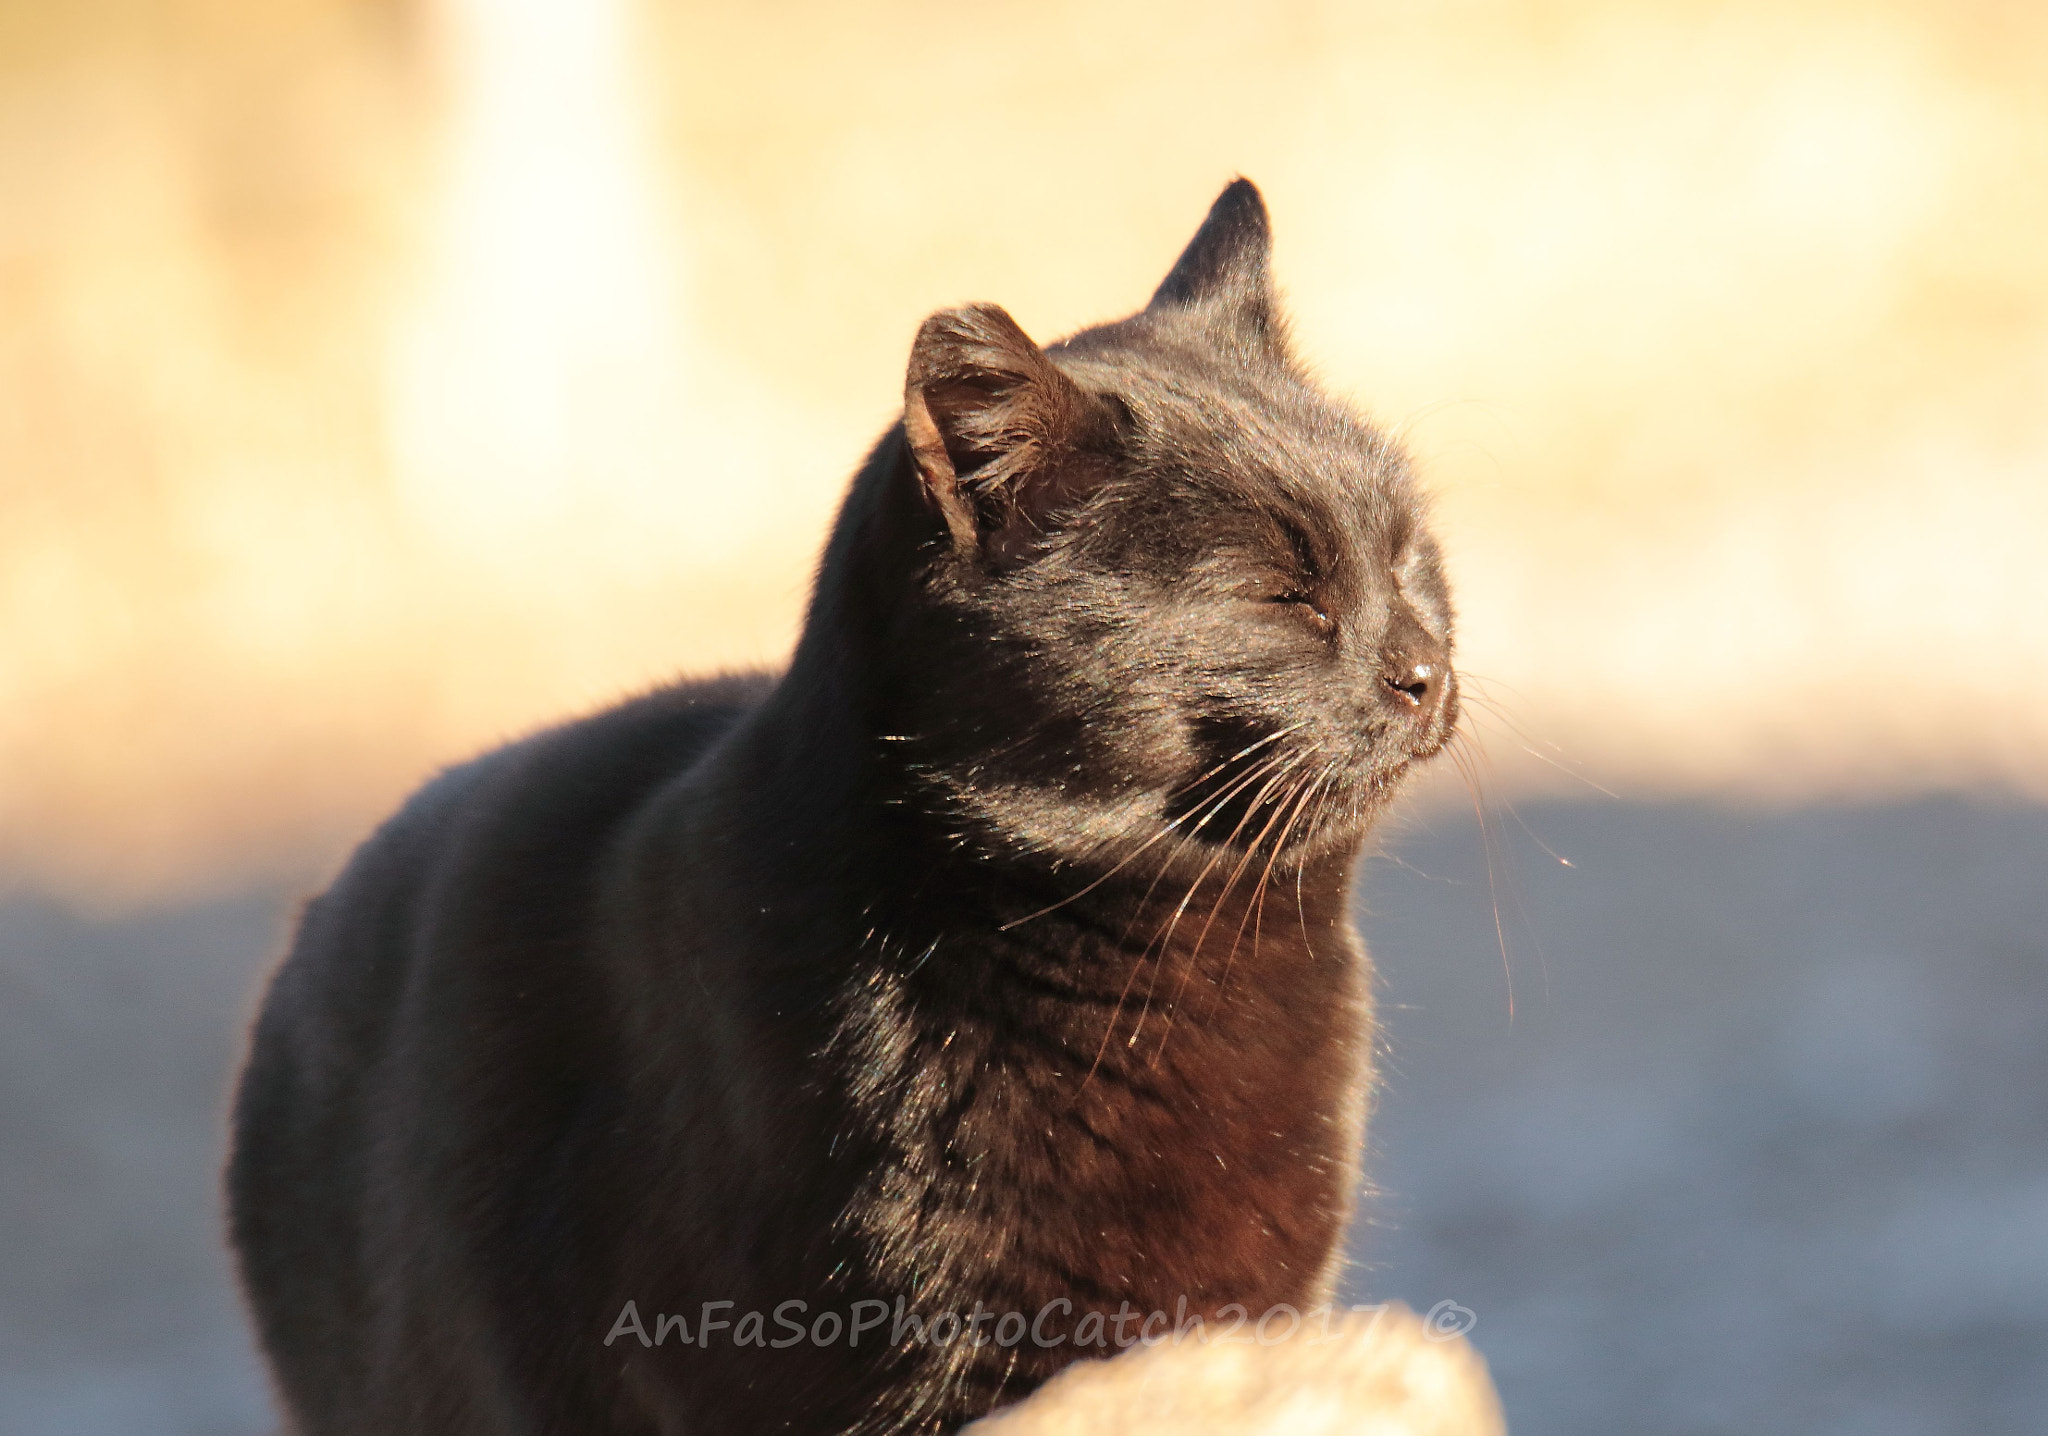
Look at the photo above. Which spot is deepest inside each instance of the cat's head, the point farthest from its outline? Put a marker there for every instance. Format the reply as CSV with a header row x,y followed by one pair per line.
x,y
1156,576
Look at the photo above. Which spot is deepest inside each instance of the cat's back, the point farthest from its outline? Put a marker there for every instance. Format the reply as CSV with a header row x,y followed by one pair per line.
x,y
499,842
475,902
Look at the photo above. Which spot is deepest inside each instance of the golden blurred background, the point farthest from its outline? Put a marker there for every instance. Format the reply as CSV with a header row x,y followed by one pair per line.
x,y
379,378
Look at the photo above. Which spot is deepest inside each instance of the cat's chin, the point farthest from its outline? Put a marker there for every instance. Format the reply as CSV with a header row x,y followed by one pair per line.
x,y
1346,820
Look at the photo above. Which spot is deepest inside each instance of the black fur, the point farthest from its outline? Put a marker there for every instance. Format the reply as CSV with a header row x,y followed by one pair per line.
x,y
996,952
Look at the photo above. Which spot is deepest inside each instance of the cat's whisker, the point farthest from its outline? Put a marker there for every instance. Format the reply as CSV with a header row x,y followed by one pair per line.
x,y
1251,851
1486,681
1256,906
1270,770
1165,938
1215,806
1528,742
1301,908
1479,746
1477,756
1280,810
1243,752
1480,757
1463,763
1276,771
1200,814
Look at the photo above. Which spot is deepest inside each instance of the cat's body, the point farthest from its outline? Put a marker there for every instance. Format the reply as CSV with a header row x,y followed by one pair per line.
x,y
995,957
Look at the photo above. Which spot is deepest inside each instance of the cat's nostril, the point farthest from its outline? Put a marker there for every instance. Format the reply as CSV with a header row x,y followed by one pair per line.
x,y
1415,684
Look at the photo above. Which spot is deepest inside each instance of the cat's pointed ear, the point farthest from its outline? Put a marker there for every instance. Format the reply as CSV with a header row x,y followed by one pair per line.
x,y
1225,271
1000,437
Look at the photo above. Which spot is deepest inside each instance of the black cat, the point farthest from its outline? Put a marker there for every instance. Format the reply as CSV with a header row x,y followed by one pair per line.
x,y
849,1051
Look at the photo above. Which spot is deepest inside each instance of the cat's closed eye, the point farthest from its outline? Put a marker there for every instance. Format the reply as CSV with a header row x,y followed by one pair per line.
x,y
1310,607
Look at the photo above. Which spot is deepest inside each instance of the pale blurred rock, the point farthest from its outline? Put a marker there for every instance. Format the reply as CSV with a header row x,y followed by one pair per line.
x,y
1377,1374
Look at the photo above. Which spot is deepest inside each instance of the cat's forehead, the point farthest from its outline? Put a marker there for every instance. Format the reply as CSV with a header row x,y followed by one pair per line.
x,y
1257,434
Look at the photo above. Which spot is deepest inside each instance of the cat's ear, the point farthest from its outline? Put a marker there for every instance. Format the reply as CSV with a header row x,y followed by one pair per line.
x,y
1224,273
1000,437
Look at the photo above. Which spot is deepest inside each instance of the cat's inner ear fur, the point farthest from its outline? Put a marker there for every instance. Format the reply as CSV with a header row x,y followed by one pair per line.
x,y
1002,440
1224,275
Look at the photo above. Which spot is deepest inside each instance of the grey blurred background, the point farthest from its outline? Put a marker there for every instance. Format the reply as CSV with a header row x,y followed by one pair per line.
x,y
1764,1147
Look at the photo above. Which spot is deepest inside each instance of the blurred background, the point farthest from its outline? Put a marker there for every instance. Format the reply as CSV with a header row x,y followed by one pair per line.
x,y
381,378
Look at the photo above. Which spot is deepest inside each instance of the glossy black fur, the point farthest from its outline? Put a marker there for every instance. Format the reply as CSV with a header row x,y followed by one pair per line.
x,y
996,952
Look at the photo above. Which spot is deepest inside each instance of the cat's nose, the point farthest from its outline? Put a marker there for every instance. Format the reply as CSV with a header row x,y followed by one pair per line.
x,y
1415,672
1416,684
